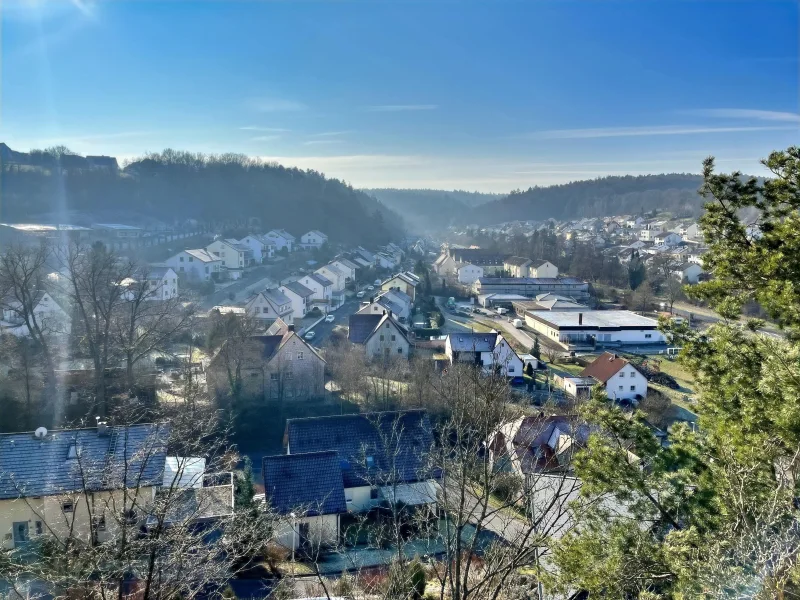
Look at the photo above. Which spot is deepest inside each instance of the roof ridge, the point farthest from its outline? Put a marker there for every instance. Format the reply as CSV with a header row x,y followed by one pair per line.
x,y
360,414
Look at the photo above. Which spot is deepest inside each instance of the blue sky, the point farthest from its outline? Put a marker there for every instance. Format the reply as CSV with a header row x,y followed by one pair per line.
x,y
485,95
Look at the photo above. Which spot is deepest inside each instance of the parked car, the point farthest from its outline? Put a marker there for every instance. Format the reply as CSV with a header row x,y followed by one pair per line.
x,y
360,294
370,288
376,282
329,319
310,335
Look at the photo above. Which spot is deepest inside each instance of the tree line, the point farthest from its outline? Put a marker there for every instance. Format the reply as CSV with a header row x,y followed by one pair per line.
x,y
175,186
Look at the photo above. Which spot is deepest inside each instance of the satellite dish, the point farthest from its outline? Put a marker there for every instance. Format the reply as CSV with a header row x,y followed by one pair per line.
x,y
40,432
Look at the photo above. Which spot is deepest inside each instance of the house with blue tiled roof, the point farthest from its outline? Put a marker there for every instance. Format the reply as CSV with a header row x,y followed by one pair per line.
x,y
382,456
62,482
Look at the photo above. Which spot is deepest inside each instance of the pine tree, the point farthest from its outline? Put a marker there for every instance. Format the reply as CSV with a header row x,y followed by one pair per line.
x,y
536,349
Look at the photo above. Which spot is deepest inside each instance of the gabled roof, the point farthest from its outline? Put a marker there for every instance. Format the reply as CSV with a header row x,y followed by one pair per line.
x,y
282,233
540,262
320,279
299,289
276,297
473,342
517,261
362,326
268,344
397,442
309,483
278,327
347,263
605,367
333,269
41,467
202,255
159,272
317,233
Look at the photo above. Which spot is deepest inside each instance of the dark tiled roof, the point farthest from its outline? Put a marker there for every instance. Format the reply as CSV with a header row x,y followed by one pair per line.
x,y
362,326
604,367
310,483
397,441
40,467
473,342
269,344
299,289
517,261
324,281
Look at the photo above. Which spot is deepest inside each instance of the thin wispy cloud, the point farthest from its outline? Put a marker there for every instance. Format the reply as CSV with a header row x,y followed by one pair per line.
x,y
265,138
321,142
329,134
268,129
746,113
401,107
276,105
642,131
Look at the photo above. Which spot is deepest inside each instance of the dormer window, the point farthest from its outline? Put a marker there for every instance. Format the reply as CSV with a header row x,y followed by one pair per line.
x,y
74,451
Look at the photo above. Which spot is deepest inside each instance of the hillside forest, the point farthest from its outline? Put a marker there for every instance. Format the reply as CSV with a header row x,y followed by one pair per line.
x,y
175,186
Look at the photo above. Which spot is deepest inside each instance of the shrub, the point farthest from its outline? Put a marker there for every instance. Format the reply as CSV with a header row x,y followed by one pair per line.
x,y
508,487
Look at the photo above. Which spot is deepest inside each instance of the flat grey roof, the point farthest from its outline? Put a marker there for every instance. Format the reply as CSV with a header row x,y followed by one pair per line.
x,y
595,318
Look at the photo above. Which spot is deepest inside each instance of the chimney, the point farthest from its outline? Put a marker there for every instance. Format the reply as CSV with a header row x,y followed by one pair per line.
x,y
102,428
291,327
580,318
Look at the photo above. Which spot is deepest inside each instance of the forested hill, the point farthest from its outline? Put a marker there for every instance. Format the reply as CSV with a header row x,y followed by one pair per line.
x,y
430,209
176,186
674,192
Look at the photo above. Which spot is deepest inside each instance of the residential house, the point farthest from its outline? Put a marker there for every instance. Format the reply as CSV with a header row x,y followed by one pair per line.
x,y
336,276
234,256
307,489
552,302
282,239
270,305
692,232
668,238
64,482
516,266
383,456
381,335
259,247
275,367
394,301
406,282
635,222
385,261
536,444
489,350
313,239
637,245
688,271
491,262
195,265
622,381
48,315
648,235
300,297
542,269
468,274
348,267
365,255
162,284
322,288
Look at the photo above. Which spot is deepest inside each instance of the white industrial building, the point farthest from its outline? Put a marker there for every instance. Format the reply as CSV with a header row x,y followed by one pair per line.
x,y
573,329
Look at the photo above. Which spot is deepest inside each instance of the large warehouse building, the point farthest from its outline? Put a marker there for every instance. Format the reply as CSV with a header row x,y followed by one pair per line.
x,y
594,327
530,287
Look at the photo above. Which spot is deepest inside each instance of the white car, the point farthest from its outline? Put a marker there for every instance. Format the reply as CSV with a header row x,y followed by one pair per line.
x,y
360,295
370,288
310,335
329,319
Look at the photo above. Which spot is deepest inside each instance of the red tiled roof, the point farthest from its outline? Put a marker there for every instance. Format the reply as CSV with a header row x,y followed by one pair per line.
x,y
604,367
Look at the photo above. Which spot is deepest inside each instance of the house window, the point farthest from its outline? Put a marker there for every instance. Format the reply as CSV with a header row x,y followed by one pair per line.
x,y
373,493
299,356
622,374
74,451
181,269
633,388
273,377
510,369
191,259
206,269
67,507
382,337
399,350
393,338
620,388
181,259
647,336
38,528
289,376
288,356
265,309
100,523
